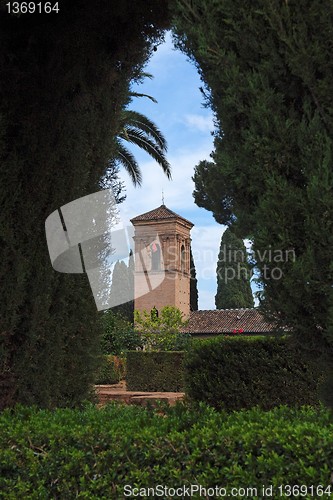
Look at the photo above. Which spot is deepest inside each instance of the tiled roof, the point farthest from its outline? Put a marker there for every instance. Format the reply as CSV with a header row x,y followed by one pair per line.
x,y
159,213
227,320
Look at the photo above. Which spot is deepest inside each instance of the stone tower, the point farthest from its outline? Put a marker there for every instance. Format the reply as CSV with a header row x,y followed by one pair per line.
x,y
162,260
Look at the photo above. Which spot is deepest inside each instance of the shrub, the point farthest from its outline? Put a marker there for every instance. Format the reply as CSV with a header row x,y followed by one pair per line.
x,y
161,332
118,334
94,453
155,371
111,371
236,373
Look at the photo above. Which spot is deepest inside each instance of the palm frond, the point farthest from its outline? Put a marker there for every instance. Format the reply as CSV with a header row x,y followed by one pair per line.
x,y
136,128
136,94
140,121
127,159
142,75
144,142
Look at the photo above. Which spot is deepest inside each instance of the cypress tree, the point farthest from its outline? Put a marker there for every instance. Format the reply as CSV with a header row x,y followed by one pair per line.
x,y
122,289
131,270
193,285
64,82
267,72
233,274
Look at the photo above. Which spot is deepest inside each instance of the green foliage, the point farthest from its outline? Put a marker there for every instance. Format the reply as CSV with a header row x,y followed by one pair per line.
x,y
326,389
208,188
118,334
94,453
160,371
233,274
267,69
64,83
122,288
237,373
111,370
160,332
193,285
111,180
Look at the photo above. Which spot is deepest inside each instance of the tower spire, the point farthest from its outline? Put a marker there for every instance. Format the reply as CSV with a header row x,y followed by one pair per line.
x,y
162,197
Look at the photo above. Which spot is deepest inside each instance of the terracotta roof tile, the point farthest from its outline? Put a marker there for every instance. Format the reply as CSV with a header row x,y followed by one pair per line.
x,y
159,213
227,320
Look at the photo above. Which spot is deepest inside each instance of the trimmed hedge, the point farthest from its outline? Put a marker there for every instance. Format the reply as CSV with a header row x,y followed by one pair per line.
x,y
236,373
111,370
94,453
155,371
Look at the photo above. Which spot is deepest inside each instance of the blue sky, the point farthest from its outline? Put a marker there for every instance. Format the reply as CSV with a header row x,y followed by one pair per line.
x,y
187,126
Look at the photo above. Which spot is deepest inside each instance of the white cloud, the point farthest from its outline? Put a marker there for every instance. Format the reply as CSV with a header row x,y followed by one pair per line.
x,y
199,122
206,300
177,192
167,58
205,248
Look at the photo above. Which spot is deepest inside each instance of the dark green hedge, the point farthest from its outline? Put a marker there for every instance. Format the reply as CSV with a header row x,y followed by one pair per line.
x,y
111,370
236,373
155,371
94,453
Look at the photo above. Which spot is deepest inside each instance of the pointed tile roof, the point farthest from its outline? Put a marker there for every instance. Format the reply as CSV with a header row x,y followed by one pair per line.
x,y
160,213
228,320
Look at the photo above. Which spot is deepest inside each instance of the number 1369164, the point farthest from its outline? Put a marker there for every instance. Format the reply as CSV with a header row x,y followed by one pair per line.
x,y
294,491
32,7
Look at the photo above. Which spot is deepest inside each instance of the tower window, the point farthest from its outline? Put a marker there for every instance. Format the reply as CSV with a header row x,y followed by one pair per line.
x,y
155,256
182,259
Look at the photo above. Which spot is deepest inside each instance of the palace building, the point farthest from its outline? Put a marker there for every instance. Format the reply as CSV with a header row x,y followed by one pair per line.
x,y
162,242
162,276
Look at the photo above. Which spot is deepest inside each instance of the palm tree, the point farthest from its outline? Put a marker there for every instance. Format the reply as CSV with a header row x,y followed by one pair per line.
x,y
137,129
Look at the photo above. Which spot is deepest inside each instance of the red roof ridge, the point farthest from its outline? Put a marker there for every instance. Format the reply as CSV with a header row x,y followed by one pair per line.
x,y
160,213
215,321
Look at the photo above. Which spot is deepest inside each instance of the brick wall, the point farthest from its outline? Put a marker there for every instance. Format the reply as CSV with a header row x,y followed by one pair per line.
x,y
171,284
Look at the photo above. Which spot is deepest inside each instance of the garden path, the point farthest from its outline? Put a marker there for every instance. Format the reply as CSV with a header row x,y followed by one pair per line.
x,y
118,392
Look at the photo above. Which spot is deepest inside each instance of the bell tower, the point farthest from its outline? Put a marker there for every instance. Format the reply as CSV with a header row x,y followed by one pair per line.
x,y
162,260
